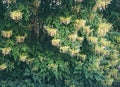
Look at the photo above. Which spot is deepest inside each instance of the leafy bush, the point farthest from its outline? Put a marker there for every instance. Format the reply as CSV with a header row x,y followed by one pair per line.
x,y
58,43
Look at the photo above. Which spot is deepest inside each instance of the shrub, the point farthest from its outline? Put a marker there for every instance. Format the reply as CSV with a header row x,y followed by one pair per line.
x,y
58,43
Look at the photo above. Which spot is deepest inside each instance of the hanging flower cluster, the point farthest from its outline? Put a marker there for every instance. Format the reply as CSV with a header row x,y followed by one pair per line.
x,y
64,49
53,66
50,31
7,34
102,4
92,39
6,50
103,29
16,15
74,52
105,42
99,49
72,37
55,42
79,24
23,57
65,21
20,39
3,66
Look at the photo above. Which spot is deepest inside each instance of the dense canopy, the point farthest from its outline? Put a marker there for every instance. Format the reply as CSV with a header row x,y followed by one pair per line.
x,y
59,43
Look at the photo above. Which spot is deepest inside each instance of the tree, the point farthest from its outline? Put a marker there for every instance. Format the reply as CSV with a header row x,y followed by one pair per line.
x,y
58,43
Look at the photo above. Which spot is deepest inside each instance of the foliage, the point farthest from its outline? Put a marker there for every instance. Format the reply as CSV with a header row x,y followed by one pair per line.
x,y
58,43
113,14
